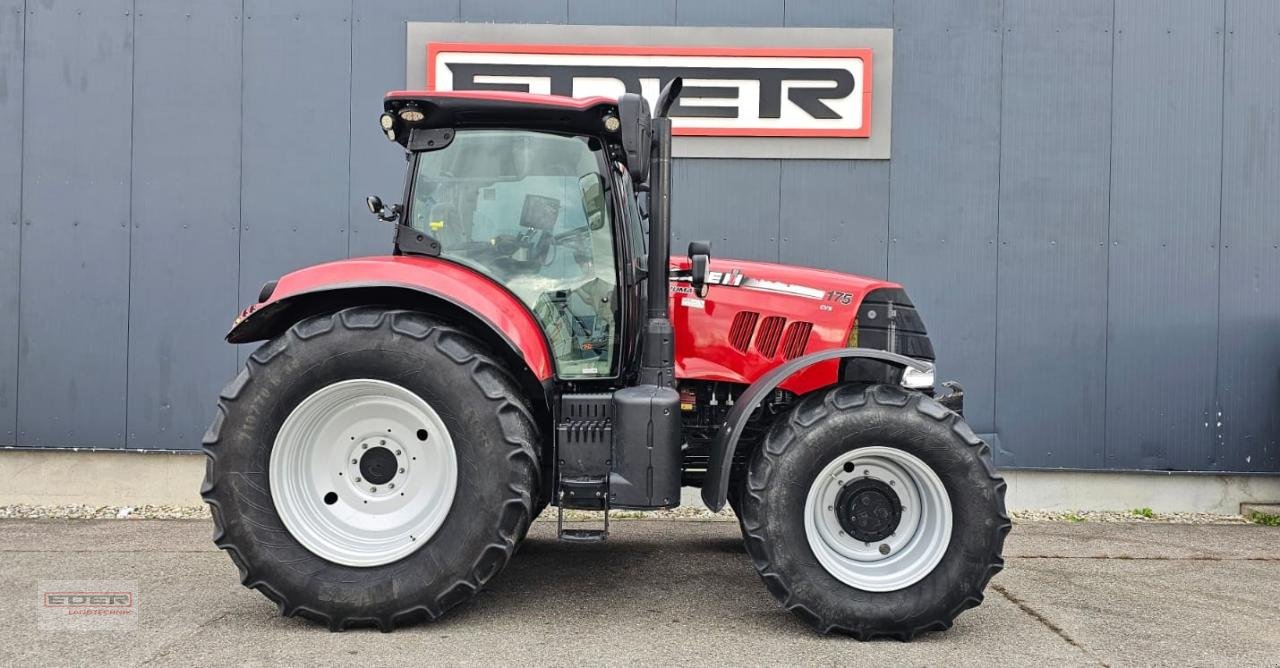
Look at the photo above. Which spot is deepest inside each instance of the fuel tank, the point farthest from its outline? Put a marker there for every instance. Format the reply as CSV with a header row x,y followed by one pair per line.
x,y
757,315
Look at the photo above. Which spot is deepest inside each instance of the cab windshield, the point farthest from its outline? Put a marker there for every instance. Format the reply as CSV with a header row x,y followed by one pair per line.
x,y
529,209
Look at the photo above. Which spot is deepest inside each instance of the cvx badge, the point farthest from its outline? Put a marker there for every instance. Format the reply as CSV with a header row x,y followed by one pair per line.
x,y
728,91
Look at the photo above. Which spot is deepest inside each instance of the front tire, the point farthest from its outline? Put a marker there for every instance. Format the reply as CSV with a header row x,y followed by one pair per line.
x,y
371,467
874,512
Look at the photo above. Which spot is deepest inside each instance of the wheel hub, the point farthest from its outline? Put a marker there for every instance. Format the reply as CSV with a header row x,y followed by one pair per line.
x,y
869,510
378,466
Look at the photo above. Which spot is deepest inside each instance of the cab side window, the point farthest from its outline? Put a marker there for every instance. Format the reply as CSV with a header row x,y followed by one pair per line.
x,y
529,209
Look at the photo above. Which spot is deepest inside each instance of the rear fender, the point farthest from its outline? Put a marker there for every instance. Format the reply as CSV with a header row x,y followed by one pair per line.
x,y
716,485
426,284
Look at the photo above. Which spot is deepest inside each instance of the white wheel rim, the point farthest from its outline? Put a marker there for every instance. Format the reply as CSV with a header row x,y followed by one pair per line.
x,y
339,496
919,539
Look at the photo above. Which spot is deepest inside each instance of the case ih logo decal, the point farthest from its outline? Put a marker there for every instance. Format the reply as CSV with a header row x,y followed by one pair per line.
x,y
728,91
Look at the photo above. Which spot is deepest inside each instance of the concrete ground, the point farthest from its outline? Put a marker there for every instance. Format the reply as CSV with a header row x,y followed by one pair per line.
x,y
664,592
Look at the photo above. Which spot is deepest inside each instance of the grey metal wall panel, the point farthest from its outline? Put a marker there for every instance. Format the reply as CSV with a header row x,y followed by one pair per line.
x,y
75,238
295,176
12,22
729,13
623,12
943,190
1249,306
835,215
1165,189
838,13
731,203
949,15
377,66
1011,164
520,11
186,217
1051,322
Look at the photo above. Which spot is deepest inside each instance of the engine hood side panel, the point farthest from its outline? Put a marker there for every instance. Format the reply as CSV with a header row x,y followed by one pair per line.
x,y
757,315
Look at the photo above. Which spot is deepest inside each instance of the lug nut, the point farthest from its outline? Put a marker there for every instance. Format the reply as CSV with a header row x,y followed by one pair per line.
x,y
357,480
373,489
884,548
364,446
397,452
402,470
391,485
355,461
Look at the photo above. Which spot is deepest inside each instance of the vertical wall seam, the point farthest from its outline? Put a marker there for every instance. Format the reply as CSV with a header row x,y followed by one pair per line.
x,y
235,291
888,209
1106,244
777,252
1216,444
995,353
128,283
351,99
22,192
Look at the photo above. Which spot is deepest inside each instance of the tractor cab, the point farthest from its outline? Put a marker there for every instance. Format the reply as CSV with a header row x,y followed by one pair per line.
x,y
537,193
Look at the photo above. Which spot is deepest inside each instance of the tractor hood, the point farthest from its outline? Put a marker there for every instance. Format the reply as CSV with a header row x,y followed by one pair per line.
x,y
756,315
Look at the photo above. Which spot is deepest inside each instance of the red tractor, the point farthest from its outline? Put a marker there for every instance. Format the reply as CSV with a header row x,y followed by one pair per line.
x,y
531,341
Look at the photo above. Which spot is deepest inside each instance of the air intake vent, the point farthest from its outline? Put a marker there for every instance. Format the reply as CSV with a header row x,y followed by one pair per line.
x,y
770,332
796,340
740,331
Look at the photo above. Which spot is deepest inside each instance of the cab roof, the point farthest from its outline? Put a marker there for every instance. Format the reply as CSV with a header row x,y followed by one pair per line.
x,y
498,109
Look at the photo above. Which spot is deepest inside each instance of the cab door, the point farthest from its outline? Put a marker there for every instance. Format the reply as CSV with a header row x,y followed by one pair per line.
x,y
529,210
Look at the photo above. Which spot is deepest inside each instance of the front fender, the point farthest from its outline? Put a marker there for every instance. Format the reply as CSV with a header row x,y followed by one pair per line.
x,y
716,485
425,281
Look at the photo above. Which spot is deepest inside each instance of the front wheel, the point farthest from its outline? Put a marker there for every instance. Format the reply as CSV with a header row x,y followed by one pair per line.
x,y
873,511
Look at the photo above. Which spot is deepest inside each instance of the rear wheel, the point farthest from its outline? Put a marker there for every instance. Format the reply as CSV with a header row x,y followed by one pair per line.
x,y
873,511
371,467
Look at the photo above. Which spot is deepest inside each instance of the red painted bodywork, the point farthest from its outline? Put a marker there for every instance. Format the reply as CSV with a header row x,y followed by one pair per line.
x,y
503,96
703,349
449,280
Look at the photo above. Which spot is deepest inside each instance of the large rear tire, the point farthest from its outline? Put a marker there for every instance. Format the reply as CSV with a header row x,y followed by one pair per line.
x,y
371,467
874,512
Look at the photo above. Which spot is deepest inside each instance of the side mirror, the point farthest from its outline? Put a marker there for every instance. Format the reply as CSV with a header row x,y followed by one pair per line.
x,y
377,208
699,258
637,134
593,204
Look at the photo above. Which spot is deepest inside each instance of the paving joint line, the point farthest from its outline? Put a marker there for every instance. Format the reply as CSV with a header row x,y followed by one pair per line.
x,y
1047,623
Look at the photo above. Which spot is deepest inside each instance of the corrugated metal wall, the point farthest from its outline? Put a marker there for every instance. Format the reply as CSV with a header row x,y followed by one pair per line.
x,y
1083,199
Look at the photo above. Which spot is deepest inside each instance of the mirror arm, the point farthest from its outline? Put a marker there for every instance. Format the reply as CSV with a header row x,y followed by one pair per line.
x,y
390,215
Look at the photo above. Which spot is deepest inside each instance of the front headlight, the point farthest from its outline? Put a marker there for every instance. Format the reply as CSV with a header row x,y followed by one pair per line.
x,y
914,379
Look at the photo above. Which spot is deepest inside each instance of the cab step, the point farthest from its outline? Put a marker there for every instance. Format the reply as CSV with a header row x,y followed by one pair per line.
x,y
584,535
583,493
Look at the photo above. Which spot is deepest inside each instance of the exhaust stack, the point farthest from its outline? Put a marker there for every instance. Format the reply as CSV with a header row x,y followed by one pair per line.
x,y
658,364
